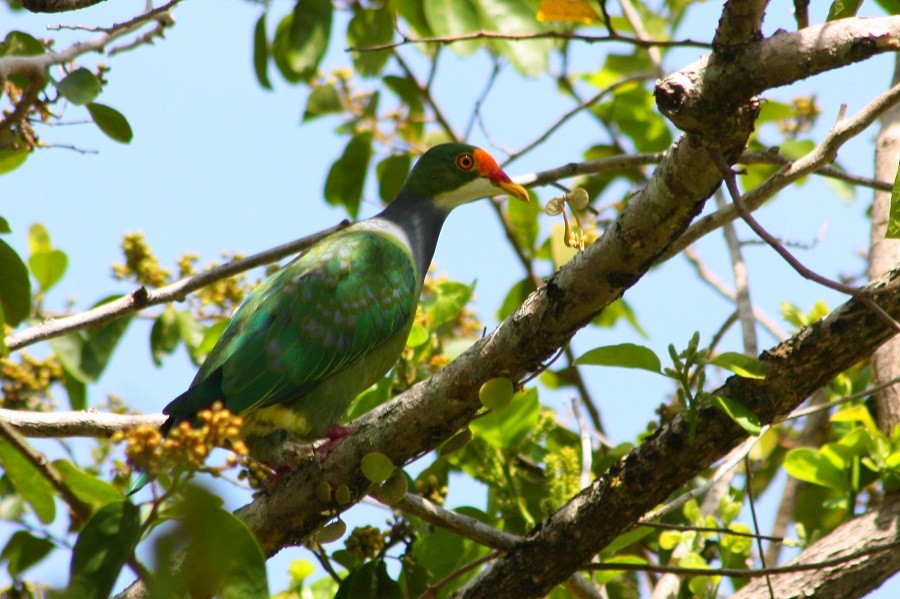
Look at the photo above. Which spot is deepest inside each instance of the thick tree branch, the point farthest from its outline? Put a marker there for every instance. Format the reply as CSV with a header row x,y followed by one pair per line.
x,y
850,574
57,5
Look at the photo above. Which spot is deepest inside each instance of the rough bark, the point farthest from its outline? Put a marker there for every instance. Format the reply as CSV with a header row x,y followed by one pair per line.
x,y
57,5
855,577
885,254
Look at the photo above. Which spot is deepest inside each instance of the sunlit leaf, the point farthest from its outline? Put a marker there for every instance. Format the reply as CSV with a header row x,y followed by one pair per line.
x,y
735,410
344,184
507,427
625,355
392,173
301,39
619,310
450,297
10,160
28,481
453,18
19,43
741,365
370,27
514,298
80,86
891,7
322,100
102,548
48,267
523,218
210,337
842,9
111,122
15,286
811,466
529,57
857,413
893,226
567,11
261,53
89,489
85,354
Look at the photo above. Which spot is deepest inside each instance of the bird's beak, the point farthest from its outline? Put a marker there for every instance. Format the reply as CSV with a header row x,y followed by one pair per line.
x,y
502,180
487,167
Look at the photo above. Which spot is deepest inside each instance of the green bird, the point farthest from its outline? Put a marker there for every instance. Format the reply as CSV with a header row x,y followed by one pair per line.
x,y
333,321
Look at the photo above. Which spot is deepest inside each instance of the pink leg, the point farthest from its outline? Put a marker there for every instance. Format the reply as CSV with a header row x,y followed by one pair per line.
x,y
335,434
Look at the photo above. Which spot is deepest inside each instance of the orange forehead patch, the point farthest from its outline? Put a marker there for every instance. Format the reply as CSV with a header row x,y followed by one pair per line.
x,y
484,162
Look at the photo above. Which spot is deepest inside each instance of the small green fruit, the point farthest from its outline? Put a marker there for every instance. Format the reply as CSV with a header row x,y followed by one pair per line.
x,y
456,442
393,488
331,532
342,495
323,492
496,393
376,466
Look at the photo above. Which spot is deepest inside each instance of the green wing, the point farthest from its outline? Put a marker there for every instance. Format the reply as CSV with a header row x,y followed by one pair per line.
x,y
328,308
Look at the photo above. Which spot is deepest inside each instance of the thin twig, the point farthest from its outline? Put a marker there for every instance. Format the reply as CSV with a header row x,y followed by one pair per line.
x,y
540,35
141,297
751,501
743,572
803,271
587,452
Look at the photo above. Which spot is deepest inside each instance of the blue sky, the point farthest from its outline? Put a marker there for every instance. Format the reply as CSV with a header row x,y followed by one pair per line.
x,y
218,164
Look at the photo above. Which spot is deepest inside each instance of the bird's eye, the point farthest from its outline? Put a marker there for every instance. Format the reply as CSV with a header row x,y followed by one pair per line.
x,y
465,161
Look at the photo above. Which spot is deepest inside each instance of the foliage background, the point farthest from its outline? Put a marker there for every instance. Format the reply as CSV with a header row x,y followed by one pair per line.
x,y
218,164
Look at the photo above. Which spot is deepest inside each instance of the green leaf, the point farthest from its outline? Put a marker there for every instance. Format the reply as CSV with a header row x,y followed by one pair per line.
x,y
634,111
418,335
812,466
450,297
370,27
15,286
211,336
891,7
735,410
323,100
80,87
85,355
413,11
301,39
392,173
893,226
344,185
523,218
235,569
741,365
190,331
24,550
10,160
18,43
412,127
453,18
772,111
261,52
39,239
625,355
506,428
102,548
514,298
616,311
89,489
842,9
48,267
529,57
76,391
4,226
28,481
843,189
111,122
165,335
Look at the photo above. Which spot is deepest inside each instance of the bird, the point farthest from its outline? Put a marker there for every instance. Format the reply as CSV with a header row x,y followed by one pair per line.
x,y
332,322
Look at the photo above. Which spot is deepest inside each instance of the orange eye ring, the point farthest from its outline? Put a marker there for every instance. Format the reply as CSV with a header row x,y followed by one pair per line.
x,y
465,162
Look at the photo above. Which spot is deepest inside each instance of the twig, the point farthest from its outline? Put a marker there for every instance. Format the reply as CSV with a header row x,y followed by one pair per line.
x,y
751,501
434,589
141,297
586,449
81,509
634,19
743,572
803,271
719,286
712,529
799,413
824,154
425,92
742,287
74,424
559,35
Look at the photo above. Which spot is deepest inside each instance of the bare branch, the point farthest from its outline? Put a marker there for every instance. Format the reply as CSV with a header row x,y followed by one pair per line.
x,y
141,297
57,5
74,424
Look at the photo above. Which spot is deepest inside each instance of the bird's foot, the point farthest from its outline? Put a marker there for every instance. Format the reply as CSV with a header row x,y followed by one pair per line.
x,y
278,473
335,434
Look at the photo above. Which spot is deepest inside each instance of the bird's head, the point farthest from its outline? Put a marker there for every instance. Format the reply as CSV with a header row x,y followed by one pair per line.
x,y
454,174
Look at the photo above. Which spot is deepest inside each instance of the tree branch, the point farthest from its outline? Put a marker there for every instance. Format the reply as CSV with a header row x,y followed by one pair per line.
x,y
57,5
74,424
